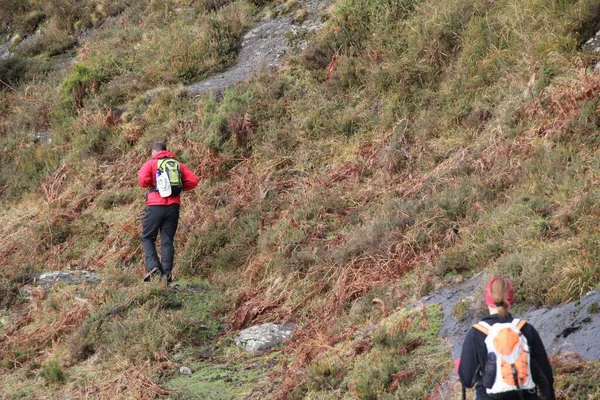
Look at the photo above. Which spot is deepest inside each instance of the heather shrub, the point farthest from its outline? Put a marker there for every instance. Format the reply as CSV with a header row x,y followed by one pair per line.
x,y
228,122
53,372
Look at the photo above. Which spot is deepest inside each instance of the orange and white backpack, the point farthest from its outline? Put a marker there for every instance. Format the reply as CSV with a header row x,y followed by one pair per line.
x,y
508,367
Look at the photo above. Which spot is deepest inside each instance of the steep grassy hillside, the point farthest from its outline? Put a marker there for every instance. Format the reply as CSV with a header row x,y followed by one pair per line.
x,y
413,143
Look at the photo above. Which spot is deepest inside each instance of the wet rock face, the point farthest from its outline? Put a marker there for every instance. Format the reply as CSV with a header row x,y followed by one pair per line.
x,y
572,327
261,338
463,296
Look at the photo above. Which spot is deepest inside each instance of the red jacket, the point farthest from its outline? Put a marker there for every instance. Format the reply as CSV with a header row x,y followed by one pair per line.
x,y
147,179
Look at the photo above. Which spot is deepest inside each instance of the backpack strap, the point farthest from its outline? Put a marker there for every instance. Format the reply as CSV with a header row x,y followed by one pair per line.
x,y
519,323
161,162
483,327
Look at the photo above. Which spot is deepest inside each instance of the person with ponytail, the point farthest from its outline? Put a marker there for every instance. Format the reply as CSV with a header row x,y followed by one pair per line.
x,y
499,297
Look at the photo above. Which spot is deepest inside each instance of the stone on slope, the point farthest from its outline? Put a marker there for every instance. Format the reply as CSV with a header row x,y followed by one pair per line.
x,y
260,338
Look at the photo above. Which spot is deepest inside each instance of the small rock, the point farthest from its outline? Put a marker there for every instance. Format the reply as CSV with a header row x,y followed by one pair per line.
x,y
185,371
365,331
5,51
593,44
3,318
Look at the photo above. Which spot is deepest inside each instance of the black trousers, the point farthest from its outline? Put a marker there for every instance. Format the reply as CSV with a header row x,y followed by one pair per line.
x,y
163,219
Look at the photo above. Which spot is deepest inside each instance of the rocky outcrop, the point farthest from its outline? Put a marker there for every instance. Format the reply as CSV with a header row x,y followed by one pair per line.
x,y
267,44
67,277
570,327
458,297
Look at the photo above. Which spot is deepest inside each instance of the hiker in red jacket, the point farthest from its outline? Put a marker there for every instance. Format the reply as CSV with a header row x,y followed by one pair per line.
x,y
473,366
162,213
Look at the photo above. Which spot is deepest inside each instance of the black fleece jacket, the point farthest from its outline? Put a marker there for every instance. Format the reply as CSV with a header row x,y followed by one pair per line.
x,y
474,355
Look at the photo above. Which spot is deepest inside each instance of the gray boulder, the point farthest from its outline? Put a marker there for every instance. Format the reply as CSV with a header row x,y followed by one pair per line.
x,y
68,277
260,338
454,327
48,280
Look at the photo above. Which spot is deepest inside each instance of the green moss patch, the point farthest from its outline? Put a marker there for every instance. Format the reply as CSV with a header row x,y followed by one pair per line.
x,y
235,378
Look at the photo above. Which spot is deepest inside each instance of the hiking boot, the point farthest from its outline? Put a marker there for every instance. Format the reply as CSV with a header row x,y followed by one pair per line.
x,y
167,277
153,271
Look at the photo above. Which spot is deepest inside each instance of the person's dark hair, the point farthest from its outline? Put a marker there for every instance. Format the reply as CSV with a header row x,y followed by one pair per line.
x,y
499,291
159,146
